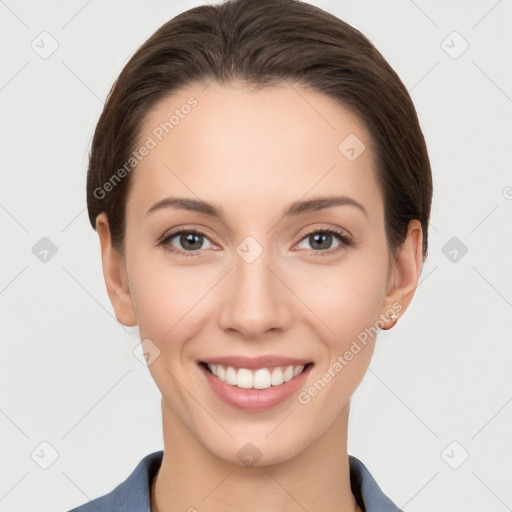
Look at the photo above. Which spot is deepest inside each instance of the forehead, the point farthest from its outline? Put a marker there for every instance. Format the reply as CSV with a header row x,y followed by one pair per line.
x,y
277,144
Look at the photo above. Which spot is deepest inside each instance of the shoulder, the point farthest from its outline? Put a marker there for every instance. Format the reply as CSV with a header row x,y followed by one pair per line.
x,y
369,495
132,495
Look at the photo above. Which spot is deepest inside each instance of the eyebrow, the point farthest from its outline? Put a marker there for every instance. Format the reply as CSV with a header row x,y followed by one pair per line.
x,y
296,208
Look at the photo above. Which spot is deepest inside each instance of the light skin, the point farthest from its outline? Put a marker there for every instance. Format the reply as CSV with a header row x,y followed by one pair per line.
x,y
251,155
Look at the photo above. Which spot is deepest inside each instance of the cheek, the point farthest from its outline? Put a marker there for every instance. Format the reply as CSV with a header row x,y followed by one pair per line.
x,y
174,303
341,300
161,295
346,305
165,301
170,313
345,299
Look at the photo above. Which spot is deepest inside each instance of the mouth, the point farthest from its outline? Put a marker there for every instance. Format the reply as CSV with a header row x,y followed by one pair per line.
x,y
259,378
255,384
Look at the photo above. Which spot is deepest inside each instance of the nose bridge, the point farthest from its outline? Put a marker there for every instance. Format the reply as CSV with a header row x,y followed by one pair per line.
x,y
255,300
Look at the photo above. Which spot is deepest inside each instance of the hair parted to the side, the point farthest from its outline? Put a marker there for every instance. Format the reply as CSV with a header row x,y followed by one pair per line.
x,y
266,42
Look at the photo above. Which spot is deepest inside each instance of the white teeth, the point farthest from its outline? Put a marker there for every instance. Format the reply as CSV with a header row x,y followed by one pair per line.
x,y
288,373
297,370
244,378
261,378
231,376
277,377
221,373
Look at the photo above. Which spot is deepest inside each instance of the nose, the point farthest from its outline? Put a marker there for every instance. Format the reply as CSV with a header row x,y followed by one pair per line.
x,y
255,299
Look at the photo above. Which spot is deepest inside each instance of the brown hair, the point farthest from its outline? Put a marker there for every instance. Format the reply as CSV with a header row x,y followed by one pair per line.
x,y
265,42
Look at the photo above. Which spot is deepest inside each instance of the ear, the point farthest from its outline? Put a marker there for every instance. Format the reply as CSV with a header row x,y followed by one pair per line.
x,y
114,273
405,270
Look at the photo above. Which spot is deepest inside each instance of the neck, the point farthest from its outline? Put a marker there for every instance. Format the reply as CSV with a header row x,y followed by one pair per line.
x,y
191,478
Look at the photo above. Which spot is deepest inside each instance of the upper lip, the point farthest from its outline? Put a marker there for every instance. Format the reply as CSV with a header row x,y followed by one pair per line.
x,y
251,363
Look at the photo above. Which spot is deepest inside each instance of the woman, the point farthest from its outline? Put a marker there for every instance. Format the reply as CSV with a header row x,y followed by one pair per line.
x,y
261,190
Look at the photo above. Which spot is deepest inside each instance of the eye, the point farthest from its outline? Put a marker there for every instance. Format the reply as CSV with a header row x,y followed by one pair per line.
x,y
321,240
189,241
186,241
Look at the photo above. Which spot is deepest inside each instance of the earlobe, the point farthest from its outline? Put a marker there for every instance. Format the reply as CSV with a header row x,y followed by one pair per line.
x,y
406,269
114,273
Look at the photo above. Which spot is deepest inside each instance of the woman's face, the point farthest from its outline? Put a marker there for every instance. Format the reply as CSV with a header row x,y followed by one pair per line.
x,y
290,266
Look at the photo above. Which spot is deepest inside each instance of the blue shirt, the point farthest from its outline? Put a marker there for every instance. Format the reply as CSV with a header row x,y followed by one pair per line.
x,y
133,495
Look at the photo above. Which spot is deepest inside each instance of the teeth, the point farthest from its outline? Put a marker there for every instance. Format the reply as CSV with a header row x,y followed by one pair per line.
x,y
231,376
244,378
277,377
297,370
262,378
288,373
221,373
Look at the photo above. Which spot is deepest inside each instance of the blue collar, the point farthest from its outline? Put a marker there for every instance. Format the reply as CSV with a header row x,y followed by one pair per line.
x,y
132,495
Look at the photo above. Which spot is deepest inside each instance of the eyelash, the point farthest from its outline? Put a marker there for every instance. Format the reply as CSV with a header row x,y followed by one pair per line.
x,y
342,237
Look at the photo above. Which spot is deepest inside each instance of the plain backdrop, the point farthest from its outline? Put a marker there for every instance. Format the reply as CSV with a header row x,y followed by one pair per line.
x,y
433,416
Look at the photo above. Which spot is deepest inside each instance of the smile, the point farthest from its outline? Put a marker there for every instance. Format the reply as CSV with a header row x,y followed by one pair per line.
x,y
261,378
255,384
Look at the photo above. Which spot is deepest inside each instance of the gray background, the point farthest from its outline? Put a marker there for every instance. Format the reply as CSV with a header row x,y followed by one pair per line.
x,y
438,389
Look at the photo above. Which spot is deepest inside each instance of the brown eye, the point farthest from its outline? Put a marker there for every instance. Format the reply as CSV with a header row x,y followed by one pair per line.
x,y
322,240
186,241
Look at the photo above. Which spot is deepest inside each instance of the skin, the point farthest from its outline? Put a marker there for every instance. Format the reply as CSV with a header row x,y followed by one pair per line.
x,y
252,154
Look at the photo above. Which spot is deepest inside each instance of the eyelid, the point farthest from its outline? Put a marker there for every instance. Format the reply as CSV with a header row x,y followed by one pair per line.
x,y
329,229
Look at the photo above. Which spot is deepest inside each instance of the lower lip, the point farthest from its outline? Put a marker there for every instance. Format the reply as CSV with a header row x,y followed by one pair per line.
x,y
255,399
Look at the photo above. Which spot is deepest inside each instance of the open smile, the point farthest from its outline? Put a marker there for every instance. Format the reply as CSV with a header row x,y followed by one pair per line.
x,y
259,387
261,378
